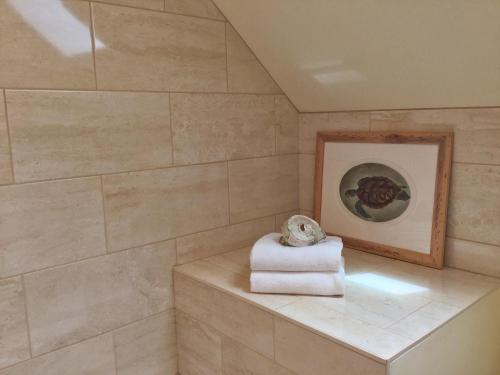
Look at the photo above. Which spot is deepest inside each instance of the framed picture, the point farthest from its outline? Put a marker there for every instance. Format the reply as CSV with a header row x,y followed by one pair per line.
x,y
385,193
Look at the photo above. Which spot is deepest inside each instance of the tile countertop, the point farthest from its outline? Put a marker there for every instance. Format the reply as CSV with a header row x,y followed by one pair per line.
x,y
388,307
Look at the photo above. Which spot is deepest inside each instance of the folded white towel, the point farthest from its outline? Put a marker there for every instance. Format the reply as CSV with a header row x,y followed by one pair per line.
x,y
269,255
312,283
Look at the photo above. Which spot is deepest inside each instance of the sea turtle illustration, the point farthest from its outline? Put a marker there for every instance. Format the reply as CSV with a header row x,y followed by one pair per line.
x,y
376,192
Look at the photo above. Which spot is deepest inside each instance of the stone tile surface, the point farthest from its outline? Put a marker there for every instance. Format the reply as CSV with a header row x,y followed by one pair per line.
x,y
220,240
245,72
239,360
60,134
144,4
50,223
14,344
472,256
149,206
237,319
151,51
287,126
298,349
475,203
73,302
147,347
215,127
90,357
263,187
200,8
476,130
306,181
200,347
32,53
311,123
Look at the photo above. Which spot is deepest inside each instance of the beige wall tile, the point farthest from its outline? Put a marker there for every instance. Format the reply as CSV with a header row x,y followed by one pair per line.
x,y
14,345
311,123
245,72
473,256
80,300
263,187
158,52
145,4
307,166
34,49
299,349
476,130
50,223
239,360
307,213
229,315
287,126
147,347
66,134
215,127
5,163
90,357
200,347
200,8
281,218
144,207
221,240
475,203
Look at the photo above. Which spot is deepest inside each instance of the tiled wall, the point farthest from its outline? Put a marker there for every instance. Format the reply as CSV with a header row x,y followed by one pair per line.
x,y
134,135
473,241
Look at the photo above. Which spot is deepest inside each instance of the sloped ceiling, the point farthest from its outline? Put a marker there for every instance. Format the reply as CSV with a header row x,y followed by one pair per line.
x,y
331,55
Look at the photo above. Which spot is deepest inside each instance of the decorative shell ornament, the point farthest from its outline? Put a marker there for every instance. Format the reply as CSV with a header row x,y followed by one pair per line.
x,y
300,230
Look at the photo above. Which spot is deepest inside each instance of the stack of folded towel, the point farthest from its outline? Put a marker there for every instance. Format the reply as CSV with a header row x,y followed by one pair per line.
x,y
317,269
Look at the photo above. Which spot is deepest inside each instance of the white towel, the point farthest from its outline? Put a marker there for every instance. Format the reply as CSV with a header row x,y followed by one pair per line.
x,y
311,283
269,255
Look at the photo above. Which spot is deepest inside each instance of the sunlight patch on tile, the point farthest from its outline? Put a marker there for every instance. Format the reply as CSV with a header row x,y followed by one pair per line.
x,y
57,25
385,284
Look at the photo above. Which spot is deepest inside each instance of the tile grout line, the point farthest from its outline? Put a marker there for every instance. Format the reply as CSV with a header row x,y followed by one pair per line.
x,y
159,11
9,141
171,125
475,241
28,326
172,154
145,170
397,109
49,89
92,41
406,316
105,225
275,125
228,194
115,358
107,332
227,65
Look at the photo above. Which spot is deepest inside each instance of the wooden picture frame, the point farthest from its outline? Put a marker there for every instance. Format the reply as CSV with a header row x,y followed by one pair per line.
x,y
443,141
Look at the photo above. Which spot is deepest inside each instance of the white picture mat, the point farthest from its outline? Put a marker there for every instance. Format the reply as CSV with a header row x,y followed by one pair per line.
x,y
416,163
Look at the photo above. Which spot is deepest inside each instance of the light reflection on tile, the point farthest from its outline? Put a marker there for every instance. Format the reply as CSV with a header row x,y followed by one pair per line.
x,y
46,44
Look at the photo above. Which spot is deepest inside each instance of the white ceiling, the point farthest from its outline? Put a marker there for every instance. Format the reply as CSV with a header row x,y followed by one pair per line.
x,y
331,55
